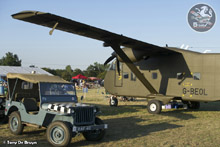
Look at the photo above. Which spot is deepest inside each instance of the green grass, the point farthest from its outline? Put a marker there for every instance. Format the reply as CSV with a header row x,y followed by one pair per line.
x,y
131,125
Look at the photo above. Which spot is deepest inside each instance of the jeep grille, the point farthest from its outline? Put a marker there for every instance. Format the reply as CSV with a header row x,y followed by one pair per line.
x,y
84,116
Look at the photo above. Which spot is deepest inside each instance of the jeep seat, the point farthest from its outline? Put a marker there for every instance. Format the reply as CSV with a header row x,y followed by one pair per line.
x,y
30,104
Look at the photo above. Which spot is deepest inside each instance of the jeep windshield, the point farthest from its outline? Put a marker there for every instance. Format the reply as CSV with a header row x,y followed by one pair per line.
x,y
57,92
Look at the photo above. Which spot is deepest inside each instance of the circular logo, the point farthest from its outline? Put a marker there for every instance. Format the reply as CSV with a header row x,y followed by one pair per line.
x,y
201,17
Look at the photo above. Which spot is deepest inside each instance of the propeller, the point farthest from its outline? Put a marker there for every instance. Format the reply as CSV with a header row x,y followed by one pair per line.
x,y
114,55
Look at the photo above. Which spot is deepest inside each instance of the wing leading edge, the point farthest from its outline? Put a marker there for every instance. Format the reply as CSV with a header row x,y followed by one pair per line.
x,y
71,26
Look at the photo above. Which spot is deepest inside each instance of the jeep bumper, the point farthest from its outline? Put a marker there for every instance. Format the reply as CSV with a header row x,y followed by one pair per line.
x,y
89,128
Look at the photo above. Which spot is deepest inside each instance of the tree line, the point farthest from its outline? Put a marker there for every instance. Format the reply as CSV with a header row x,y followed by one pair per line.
x,y
93,70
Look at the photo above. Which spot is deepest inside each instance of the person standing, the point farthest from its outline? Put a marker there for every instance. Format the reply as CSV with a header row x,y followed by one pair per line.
x,y
85,90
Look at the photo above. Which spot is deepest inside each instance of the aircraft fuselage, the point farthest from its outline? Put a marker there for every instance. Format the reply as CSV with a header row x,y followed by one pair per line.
x,y
189,75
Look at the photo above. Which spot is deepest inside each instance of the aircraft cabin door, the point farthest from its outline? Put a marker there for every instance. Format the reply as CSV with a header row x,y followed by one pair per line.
x,y
118,78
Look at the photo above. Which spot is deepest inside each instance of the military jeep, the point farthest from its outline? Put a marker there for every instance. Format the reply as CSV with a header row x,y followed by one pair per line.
x,y
50,102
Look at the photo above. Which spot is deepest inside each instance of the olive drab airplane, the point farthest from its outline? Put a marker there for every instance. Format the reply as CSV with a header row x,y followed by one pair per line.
x,y
160,74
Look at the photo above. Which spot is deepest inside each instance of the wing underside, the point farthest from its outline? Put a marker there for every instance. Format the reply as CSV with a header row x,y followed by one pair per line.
x,y
110,39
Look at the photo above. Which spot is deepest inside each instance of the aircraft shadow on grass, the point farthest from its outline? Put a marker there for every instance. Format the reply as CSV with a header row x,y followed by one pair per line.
x,y
128,128
122,109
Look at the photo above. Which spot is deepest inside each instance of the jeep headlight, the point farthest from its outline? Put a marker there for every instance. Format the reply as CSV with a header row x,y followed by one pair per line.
x,y
96,109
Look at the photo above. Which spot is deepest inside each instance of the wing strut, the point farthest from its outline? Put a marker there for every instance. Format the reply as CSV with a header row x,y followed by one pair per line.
x,y
133,68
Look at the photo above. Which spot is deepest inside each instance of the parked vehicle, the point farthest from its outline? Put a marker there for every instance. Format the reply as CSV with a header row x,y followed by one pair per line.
x,y
51,102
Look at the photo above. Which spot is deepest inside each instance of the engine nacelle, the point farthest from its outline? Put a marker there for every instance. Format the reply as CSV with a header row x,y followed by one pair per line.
x,y
133,55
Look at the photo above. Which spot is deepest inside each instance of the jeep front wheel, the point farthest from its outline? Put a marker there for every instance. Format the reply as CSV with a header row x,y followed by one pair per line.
x,y
154,107
95,135
15,125
59,133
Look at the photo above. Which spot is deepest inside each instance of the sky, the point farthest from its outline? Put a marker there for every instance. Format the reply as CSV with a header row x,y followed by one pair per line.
x,y
157,22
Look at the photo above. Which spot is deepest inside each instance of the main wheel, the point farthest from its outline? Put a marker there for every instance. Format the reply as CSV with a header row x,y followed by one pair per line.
x,y
113,101
15,125
193,105
154,107
95,135
59,133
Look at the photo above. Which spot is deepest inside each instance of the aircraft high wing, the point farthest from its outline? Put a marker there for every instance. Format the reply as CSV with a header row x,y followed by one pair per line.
x,y
110,39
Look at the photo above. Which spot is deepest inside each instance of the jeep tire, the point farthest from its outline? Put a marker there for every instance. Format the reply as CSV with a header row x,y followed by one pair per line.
x,y
15,125
59,133
95,135
154,107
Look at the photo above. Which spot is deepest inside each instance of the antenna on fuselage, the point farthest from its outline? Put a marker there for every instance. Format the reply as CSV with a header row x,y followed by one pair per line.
x,y
206,51
182,47
186,48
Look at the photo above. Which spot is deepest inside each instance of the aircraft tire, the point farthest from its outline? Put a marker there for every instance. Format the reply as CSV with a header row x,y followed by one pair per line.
x,y
154,107
113,102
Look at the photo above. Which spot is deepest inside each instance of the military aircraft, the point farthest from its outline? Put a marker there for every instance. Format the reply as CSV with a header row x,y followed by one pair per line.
x,y
160,74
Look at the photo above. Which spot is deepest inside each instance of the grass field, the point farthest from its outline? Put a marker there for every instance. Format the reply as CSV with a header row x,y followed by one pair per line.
x,y
131,125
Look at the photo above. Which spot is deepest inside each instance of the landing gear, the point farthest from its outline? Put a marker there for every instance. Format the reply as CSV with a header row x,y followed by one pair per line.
x,y
113,101
154,107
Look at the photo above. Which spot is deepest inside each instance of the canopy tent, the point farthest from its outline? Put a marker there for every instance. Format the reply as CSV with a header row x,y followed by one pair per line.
x,y
79,76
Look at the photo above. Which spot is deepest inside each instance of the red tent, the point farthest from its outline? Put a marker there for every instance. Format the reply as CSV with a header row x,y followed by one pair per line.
x,y
79,76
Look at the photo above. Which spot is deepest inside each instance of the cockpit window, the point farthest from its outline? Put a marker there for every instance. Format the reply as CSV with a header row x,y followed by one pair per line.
x,y
112,66
196,76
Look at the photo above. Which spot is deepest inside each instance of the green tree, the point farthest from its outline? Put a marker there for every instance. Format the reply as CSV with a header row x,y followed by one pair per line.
x,y
10,60
52,71
67,73
66,76
69,69
77,71
96,70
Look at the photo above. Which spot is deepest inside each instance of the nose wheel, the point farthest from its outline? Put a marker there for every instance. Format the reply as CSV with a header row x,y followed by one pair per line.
x,y
113,101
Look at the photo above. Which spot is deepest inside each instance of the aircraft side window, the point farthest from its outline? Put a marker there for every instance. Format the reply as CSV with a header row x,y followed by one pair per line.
x,y
196,76
125,75
179,76
133,77
154,75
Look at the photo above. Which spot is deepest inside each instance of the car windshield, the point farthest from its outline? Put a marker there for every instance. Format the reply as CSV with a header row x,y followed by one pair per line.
x,y
57,89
